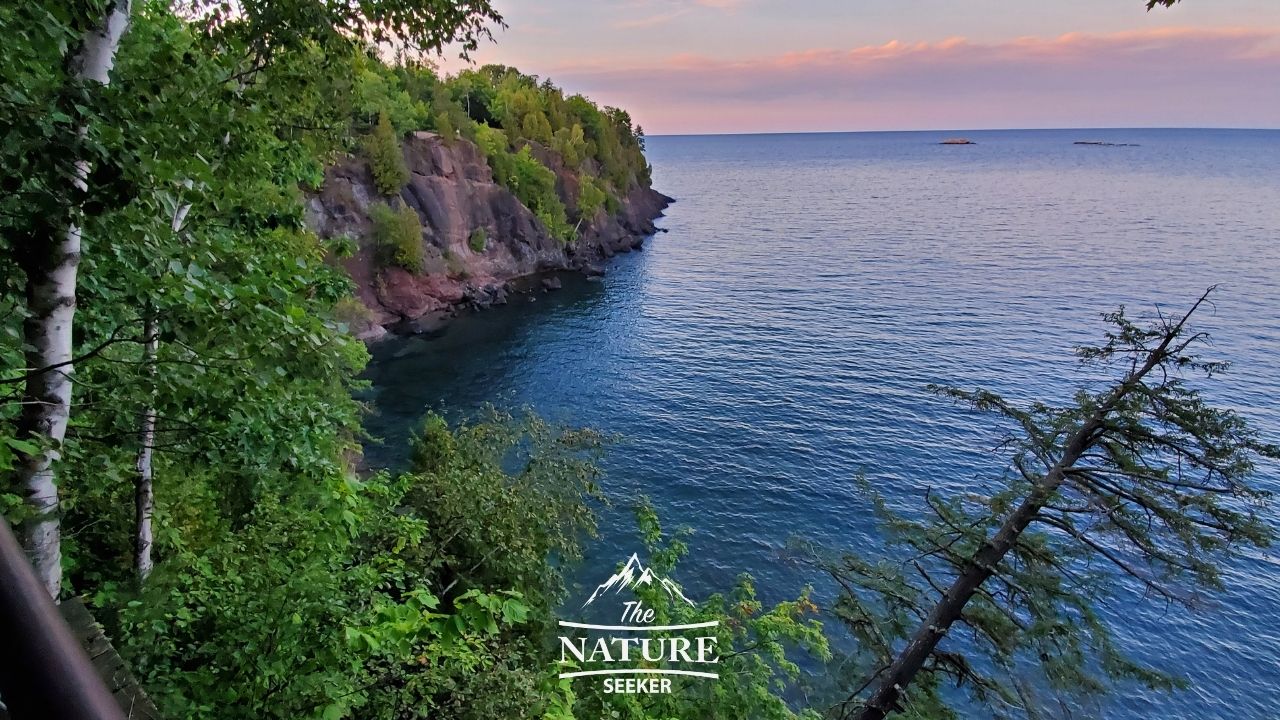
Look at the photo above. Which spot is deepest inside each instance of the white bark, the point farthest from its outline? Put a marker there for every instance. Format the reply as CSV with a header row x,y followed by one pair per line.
x,y
144,487
98,53
51,305
144,491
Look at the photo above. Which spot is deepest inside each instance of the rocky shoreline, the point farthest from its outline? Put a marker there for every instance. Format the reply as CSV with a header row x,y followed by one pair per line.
x,y
453,191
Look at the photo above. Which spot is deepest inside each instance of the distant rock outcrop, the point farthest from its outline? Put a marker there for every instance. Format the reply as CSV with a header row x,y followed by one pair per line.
x,y
957,141
453,191
1104,144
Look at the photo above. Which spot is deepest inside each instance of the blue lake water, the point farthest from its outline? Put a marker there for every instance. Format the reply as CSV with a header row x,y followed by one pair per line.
x,y
777,341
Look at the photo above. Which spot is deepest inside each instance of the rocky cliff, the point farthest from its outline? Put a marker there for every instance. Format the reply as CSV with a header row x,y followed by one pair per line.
x,y
454,194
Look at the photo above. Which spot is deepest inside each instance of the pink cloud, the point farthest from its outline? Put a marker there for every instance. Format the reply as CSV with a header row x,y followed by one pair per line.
x,y
1158,77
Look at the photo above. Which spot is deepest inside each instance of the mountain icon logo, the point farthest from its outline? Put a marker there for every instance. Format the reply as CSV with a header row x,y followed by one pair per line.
x,y
635,574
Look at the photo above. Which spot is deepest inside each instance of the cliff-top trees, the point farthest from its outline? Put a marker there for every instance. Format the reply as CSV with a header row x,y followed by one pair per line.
x,y
520,122
1141,484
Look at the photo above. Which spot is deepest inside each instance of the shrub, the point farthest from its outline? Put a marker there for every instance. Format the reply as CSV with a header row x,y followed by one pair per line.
x,y
382,147
399,234
351,312
535,126
343,246
591,197
454,266
571,144
492,143
444,127
478,240
533,183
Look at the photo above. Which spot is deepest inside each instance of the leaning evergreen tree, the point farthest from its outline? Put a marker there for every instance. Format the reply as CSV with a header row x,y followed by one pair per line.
x,y
1142,485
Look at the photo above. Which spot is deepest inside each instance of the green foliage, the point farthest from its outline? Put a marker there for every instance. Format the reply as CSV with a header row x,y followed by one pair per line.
x,y
349,312
378,94
755,645
492,143
445,127
571,143
342,246
535,127
478,240
255,387
527,178
591,197
1139,488
535,185
370,597
386,159
398,234
522,125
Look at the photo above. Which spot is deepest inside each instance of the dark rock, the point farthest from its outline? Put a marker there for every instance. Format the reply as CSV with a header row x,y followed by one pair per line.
x,y
957,141
432,324
551,283
452,189
477,297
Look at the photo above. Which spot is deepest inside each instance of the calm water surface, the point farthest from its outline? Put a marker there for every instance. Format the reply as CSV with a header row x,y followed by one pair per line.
x,y
778,340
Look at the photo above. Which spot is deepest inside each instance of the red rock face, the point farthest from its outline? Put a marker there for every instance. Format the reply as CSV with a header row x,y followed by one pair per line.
x,y
452,189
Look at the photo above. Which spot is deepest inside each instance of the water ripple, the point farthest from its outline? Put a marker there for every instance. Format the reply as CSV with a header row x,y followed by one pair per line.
x,y
777,342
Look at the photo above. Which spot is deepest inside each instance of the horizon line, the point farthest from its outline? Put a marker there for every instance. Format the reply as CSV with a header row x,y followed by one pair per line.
x,y
959,130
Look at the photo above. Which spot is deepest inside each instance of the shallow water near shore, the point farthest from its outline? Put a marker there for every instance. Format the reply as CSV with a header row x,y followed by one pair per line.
x,y
778,340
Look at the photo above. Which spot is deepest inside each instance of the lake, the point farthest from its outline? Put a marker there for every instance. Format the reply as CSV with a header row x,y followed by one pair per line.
x,y
777,341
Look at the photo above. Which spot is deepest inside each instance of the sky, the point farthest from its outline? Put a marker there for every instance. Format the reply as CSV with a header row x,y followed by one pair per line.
x,y
733,66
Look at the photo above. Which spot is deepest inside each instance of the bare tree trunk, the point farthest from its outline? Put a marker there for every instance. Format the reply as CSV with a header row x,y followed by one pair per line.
x,y
47,333
982,565
144,493
144,489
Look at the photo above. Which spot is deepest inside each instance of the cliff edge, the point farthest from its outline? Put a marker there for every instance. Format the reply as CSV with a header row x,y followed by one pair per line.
x,y
453,192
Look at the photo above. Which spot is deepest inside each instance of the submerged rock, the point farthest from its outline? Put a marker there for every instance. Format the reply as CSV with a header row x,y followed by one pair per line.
x,y
431,324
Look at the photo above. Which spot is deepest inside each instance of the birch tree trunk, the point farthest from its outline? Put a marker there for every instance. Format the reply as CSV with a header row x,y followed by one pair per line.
x,y
144,488
51,304
144,492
